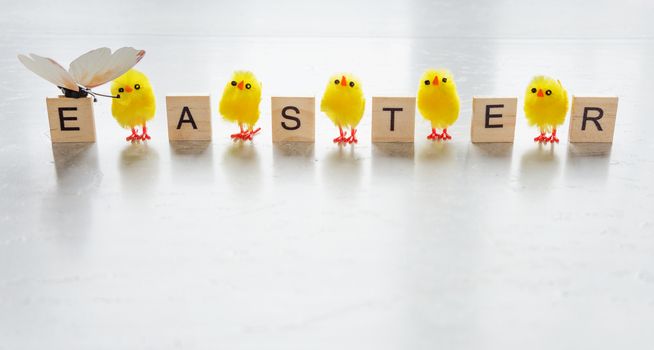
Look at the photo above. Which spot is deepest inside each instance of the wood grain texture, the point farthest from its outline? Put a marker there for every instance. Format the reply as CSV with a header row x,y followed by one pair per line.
x,y
600,115
194,112
399,128
76,117
493,119
293,119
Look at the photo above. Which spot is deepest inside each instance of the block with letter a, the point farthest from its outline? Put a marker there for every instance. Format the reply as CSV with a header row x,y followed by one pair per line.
x,y
189,118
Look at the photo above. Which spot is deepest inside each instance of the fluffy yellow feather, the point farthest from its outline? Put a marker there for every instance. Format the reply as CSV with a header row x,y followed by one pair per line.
x,y
438,101
240,103
546,104
343,102
135,104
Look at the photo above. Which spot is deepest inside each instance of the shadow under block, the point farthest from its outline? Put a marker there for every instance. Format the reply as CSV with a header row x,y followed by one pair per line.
x,y
189,118
592,119
393,119
71,119
493,119
293,119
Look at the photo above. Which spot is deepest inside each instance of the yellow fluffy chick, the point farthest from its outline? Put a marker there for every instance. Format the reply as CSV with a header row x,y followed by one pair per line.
x,y
240,103
343,102
438,101
546,104
134,104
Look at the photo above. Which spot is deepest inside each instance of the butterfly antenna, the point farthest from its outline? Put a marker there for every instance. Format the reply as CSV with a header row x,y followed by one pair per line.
x,y
94,94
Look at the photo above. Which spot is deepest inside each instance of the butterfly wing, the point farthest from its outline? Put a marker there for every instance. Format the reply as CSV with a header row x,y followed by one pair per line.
x,y
49,70
85,67
99,66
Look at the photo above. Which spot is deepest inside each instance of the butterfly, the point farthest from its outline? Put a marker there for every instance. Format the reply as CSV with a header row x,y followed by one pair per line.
x,y
88,71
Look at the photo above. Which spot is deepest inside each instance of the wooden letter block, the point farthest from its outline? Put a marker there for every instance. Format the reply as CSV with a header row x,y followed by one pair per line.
x,y
71,119
493,119
189,118
393,119
293,119
592,119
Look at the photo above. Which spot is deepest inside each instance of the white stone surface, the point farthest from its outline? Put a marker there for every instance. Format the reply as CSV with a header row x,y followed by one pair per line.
x,y
430,246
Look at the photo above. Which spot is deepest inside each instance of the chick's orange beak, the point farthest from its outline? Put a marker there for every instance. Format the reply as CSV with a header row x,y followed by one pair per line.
x,y
540,93
240,85
343,81
435,82
128,88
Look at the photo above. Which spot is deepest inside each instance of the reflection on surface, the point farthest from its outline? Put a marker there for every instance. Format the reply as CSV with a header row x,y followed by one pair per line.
x,y
139,168
189,147
539,166
76,165
242,166
69,209
192,162
496,150
394,150
343,167
589,149
436,151
587,163
294,149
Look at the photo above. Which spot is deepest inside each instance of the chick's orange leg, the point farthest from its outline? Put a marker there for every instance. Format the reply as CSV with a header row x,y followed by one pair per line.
x,y
249,134
144,135
434,135
353,137
239,136
133,137
541,137
553,137
341,138
445,135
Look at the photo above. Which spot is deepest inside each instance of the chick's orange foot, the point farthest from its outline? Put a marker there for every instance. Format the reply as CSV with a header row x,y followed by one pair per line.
x,y
434,135
251,133
144,135
245,135
134,137
342,138
541,138
353,137
445,135
552,137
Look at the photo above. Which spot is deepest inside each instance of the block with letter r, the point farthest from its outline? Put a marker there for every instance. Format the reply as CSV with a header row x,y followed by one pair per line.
x,y
592,119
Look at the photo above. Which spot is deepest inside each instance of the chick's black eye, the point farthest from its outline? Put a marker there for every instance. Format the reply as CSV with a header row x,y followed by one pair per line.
x,y
247,86
445,80
427,82
351,84
548,92
533,90
137,86
233,83
337,81
121,90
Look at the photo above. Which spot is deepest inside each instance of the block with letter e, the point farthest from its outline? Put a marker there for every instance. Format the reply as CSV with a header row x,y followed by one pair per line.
x,y
493,119
189,118
71,119
393,119
592,119
293,119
